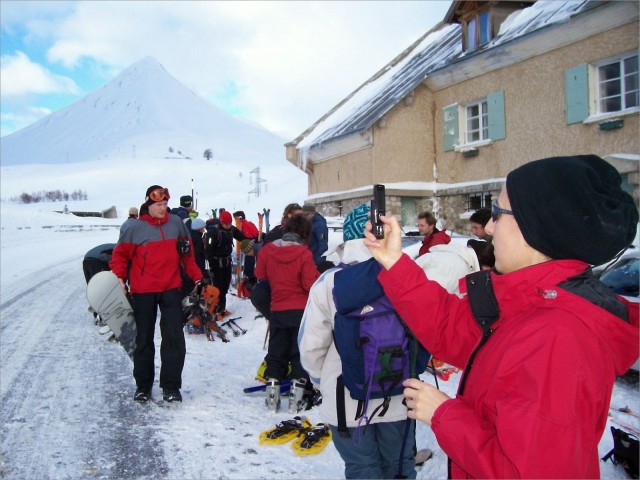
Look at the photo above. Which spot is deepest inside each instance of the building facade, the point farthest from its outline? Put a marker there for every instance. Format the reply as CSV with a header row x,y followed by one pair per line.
x,y
495,85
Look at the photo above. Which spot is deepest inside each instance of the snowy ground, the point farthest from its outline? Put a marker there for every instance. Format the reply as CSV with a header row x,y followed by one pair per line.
x,y
67,409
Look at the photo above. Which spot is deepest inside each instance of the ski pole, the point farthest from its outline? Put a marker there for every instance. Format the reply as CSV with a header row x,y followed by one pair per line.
x,y
233,322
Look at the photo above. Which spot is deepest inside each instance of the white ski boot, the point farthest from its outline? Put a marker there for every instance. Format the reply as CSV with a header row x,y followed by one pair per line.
x,y
273,395
297,402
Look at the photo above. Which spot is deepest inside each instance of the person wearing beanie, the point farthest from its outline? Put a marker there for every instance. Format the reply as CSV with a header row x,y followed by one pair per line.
x,y
185,211
149,254
287,264
133,216
218,250
378,454
319,242
547,340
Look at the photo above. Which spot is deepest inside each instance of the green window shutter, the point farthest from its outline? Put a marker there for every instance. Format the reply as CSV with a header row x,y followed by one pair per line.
x,y
450,127
495,112
576,93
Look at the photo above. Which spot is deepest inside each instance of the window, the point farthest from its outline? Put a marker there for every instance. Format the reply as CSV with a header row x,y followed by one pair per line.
x,y
477,122
478,200
618,84
482,120
477,31
602,89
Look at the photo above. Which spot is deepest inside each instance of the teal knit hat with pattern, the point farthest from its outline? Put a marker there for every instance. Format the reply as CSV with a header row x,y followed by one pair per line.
x,y
353,227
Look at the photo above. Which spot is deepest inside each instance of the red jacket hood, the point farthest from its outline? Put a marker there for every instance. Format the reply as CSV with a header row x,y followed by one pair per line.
x,y
288,252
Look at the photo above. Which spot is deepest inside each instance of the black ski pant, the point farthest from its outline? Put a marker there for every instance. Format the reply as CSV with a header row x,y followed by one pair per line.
x,y
249,266
172,348
220,268
283,346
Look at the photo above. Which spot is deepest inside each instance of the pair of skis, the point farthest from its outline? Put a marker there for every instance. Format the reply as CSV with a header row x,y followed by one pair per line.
x,y
307,438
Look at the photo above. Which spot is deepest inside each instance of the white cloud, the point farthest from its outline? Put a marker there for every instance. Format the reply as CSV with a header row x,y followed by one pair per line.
x,y
13,121
281,64
20,76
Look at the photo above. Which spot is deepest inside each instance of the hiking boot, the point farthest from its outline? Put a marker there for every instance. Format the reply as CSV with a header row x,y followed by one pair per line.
x,y
297,399
171,395
142,395
273,395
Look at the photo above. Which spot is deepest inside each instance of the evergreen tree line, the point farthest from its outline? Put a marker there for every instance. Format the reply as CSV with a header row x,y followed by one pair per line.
x,y
50,196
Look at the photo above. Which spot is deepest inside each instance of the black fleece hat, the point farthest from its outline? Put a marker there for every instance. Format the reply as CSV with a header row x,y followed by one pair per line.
x,y
186,201
573,208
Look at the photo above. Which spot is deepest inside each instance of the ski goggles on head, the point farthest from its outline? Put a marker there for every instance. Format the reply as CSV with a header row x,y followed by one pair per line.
x,y
158,195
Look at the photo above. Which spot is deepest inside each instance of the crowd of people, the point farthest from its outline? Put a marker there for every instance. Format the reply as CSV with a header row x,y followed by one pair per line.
x,y
512,309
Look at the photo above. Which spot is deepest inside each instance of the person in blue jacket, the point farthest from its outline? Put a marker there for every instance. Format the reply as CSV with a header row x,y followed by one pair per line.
x,y
319,242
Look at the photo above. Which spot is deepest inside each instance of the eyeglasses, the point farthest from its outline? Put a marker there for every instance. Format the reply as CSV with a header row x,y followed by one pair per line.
x,y
496,211
159,194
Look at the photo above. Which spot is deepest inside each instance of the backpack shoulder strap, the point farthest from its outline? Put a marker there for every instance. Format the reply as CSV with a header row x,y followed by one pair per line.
x,y
587,286
482,299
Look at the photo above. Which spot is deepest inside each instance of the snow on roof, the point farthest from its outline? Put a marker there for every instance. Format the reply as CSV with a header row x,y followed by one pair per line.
x,y
436,49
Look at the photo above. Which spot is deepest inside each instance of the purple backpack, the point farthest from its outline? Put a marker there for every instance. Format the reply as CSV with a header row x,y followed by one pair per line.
x,y
376,348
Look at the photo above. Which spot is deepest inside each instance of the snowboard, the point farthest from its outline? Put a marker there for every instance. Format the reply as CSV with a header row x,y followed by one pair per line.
x,y
106,297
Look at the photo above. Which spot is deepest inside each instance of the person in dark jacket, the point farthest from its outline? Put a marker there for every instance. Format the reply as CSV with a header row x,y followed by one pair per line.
x,y
276,232
319,241
218,250
532,402
156,245
287,264
185,211
97,260
198,229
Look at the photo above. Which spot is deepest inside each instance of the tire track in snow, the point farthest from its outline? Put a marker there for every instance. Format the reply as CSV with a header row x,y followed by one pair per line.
x,y
67,409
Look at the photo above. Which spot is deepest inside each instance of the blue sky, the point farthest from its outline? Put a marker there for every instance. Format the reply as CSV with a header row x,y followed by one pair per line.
x,y
280,64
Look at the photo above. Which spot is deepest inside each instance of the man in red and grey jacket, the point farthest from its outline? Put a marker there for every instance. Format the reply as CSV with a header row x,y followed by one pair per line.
x,y
156,245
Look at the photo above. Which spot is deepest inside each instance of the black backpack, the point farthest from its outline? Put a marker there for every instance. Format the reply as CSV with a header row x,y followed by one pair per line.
x,y
624,451
218,243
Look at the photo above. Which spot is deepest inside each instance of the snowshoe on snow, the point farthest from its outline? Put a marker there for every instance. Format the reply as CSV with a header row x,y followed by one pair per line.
x,y
297,399
285,431
312,440
273,395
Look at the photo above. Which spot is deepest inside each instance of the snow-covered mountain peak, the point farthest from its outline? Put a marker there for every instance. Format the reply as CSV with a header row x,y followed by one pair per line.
x,y
143,113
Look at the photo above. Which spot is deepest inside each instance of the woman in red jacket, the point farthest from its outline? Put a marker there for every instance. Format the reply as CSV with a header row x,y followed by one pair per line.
x,y
537,383
287,264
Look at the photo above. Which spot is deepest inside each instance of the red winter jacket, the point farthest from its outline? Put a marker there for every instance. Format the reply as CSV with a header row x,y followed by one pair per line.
x,y
290,271
535,403
436,238
151,245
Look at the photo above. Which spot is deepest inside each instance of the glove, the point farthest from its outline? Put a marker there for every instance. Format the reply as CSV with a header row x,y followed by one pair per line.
x,y
193,214
246,246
